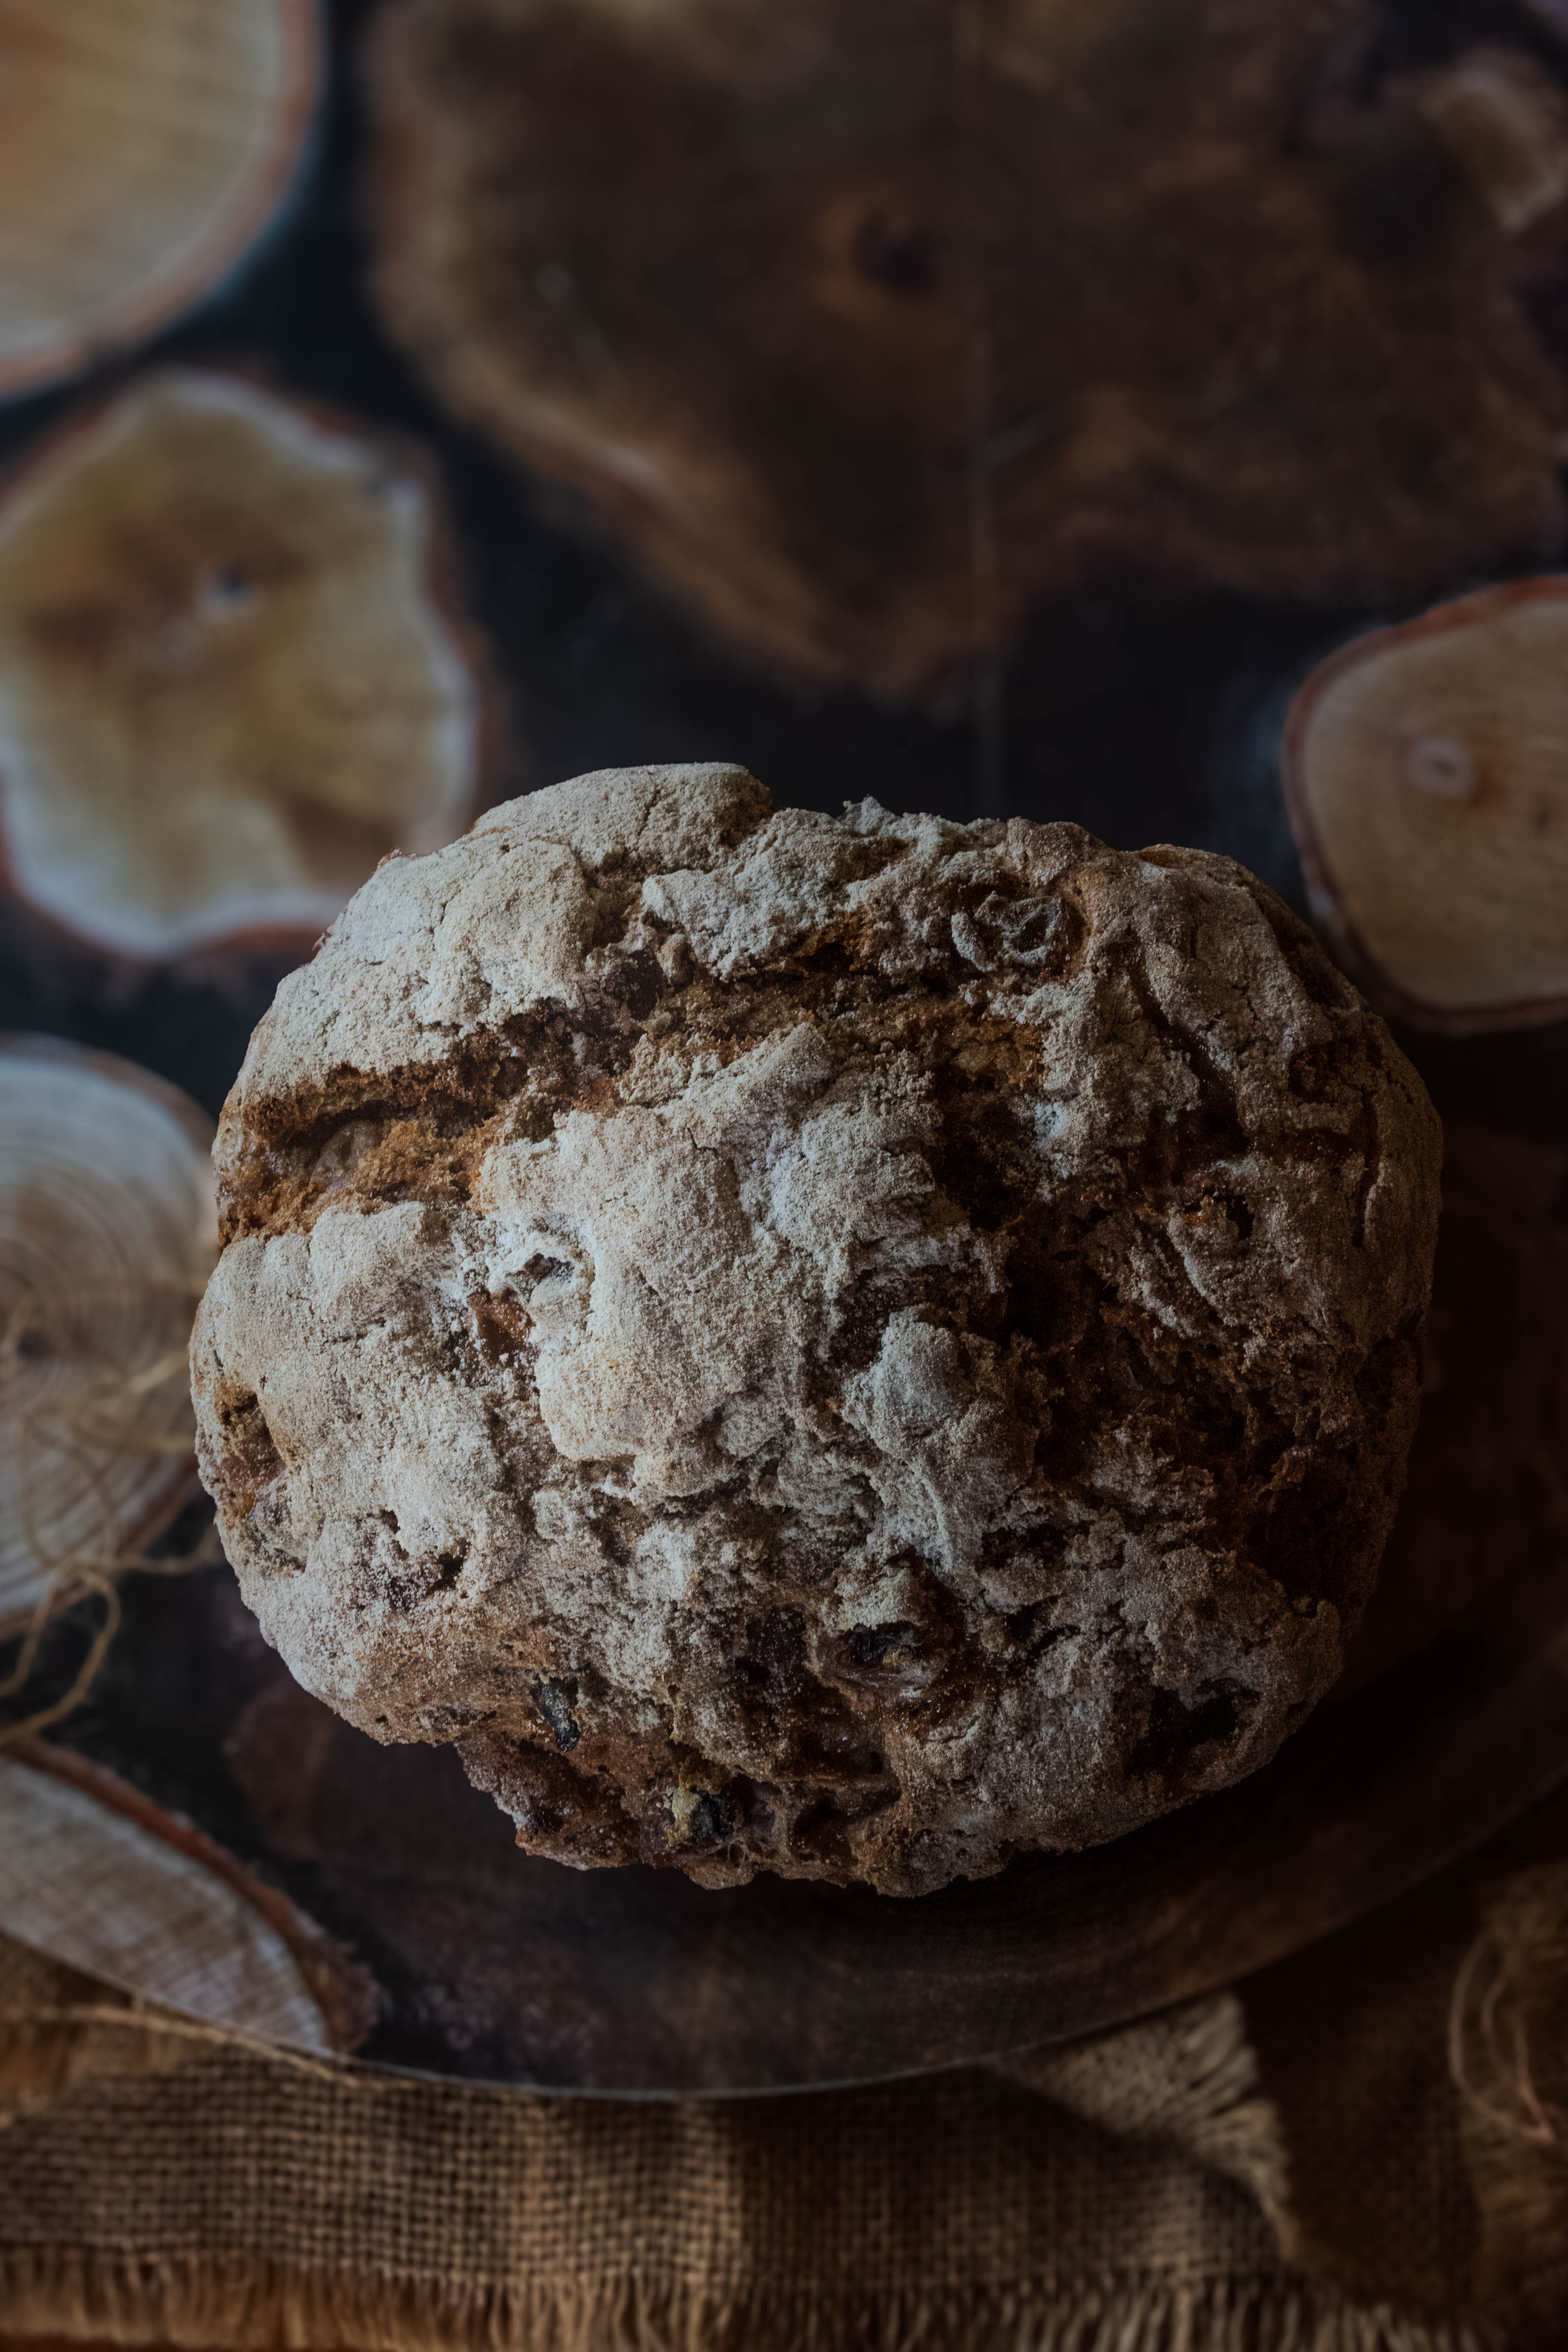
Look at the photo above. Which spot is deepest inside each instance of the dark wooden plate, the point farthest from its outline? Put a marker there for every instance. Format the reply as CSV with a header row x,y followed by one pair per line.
x,y
496,1966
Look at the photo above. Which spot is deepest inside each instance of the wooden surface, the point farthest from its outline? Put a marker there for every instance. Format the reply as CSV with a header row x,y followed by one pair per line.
x,y
1426,770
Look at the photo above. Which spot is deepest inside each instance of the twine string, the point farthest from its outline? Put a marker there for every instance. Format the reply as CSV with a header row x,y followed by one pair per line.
x,y
66,1438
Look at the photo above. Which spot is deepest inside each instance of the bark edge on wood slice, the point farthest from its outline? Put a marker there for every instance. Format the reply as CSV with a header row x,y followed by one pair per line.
x,y
151,1904
143,153
234,674
1426,772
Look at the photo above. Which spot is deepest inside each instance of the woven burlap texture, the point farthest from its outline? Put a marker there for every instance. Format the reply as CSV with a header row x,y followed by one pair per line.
x,y
1292,2166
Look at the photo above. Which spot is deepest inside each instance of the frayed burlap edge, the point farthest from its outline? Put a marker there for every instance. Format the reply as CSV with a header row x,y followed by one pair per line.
x,y
252,2307
1188,2077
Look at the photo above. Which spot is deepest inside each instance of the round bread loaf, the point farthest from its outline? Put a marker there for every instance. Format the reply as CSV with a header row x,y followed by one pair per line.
x,y
842,1347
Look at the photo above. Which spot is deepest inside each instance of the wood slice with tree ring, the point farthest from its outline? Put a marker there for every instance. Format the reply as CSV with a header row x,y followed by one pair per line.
x,y
95,1875
143,149
1426,772
232,679
108,1232
866,325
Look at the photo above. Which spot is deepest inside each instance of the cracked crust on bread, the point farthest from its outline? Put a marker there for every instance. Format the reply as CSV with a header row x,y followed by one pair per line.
x,y
846,1347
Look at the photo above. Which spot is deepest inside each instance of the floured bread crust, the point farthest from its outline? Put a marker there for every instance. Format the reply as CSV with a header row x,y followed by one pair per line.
x,y
848,1348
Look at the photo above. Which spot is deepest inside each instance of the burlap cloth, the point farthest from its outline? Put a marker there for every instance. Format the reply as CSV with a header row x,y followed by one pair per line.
x,y
1364,2147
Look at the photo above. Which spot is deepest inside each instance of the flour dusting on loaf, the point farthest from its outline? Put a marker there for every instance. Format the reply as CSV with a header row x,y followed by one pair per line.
x,y
847,1346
